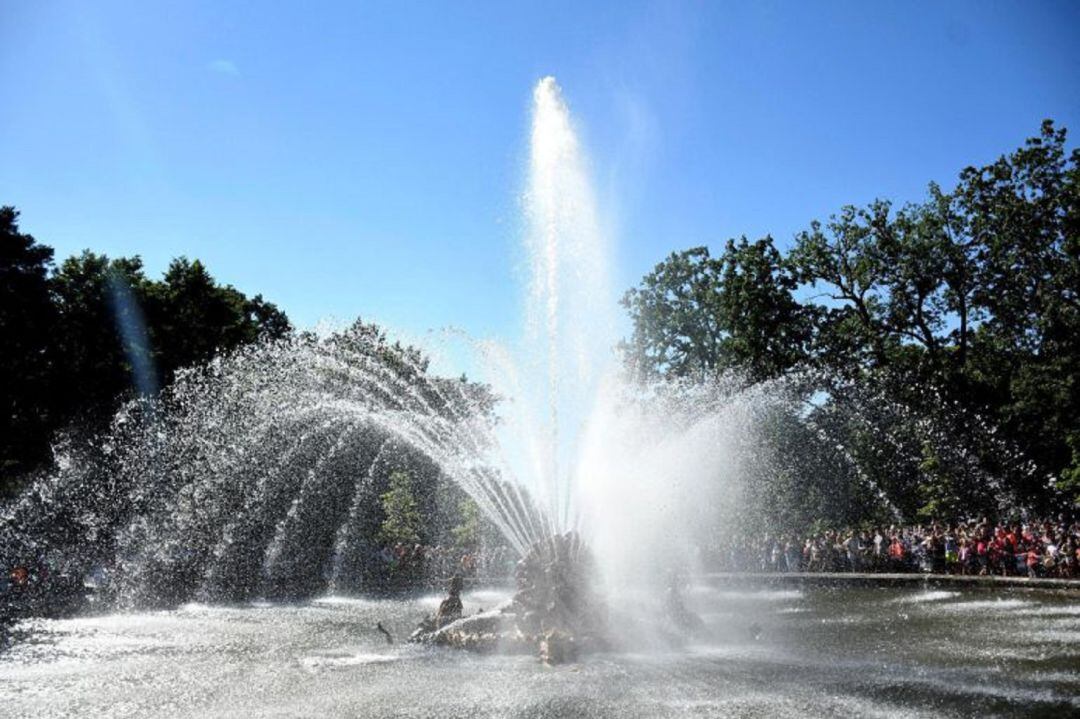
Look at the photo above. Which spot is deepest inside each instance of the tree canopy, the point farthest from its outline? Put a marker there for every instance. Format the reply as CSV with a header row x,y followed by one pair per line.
x,y
81,337
27,325
695,313
950,326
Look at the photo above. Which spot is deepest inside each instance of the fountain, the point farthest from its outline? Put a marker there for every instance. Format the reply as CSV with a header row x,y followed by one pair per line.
x,y
254,476
230,527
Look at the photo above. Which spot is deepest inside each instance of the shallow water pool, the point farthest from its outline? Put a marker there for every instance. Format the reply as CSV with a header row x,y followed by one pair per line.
x,y
845,652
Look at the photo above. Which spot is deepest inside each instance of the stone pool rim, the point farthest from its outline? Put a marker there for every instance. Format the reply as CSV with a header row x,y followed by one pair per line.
x,y
885,579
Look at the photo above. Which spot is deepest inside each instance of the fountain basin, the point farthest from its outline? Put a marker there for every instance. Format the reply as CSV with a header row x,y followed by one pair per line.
x,y
838,651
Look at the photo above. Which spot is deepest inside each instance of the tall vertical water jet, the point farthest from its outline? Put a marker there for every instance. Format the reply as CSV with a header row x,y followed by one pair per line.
x,y
641,471
570,309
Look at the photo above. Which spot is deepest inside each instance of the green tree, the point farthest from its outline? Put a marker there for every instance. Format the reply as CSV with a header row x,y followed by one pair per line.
x,y
194,318
1023,216
402,519
965,306
81,338
697,314
945,333
95,368
27,329
467,531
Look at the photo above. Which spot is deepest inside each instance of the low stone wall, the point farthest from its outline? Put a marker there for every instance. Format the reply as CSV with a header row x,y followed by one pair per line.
x,y
826,579
885,579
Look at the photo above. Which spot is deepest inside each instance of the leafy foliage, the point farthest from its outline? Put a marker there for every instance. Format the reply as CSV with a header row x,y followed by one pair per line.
x,y
27,326
402,521
695,313
468,531
80,338
943,336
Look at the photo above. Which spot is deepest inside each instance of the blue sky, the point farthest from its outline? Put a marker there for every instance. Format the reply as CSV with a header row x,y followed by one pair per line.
x,y
347,158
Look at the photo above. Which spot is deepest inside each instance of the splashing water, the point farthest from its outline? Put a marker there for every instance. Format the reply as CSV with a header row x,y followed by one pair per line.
x,y
257,475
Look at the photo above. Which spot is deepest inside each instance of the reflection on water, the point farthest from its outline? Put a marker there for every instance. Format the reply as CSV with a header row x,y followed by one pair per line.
x,y
839,652
931,596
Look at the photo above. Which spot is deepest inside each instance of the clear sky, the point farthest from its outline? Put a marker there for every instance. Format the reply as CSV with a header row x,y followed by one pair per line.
x,y
352,158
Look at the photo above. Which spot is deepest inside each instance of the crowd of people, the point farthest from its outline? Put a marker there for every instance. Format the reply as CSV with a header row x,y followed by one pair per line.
x,y
1036,549
1047,549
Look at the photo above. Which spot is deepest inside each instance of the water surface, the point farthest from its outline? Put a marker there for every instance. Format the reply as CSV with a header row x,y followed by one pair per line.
x,y
847,652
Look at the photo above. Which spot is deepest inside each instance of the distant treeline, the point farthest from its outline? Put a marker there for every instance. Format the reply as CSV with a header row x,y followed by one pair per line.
x,y
80,338
939,344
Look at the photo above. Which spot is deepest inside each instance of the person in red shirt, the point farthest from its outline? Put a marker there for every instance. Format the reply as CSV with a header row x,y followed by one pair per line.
x,y
982,555
896,554
998,552
1033,561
